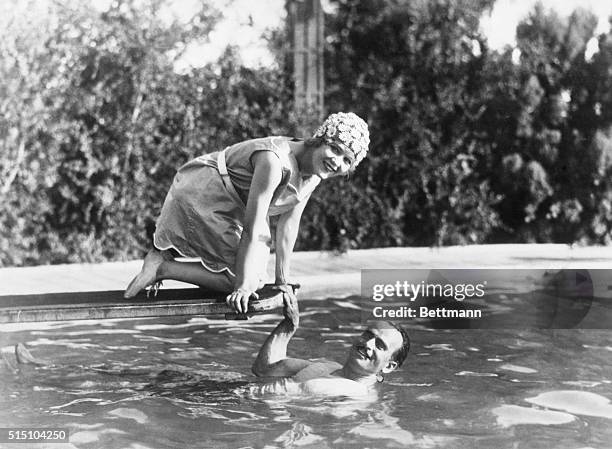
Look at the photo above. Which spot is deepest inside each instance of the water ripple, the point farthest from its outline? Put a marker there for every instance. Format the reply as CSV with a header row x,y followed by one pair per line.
x,y
512,415
577,402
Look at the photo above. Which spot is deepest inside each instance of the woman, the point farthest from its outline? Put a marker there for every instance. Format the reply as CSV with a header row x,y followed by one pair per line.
x,y
218,207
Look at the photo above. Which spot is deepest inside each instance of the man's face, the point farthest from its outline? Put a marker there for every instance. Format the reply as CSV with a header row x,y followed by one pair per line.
x,y
373,350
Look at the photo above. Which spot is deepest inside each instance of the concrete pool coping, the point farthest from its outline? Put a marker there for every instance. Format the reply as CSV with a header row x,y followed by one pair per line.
x,y
321,274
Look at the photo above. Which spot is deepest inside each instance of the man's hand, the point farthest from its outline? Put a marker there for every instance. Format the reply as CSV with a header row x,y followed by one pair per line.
x,y
272,358
291,310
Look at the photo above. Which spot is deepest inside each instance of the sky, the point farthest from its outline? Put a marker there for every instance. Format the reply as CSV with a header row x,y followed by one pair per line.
x,y
243,24
499,27
246,20
238,29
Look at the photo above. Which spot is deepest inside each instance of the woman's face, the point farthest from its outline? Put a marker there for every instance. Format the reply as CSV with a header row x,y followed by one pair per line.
x,y
329,161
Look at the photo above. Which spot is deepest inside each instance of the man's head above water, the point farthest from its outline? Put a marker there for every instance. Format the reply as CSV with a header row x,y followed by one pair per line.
x,y
380,349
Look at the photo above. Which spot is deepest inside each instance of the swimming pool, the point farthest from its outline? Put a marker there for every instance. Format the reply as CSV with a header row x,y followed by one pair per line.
x,y
186,382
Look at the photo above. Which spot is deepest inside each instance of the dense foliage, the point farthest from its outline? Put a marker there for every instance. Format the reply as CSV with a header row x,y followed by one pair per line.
x,y
471,145
468,145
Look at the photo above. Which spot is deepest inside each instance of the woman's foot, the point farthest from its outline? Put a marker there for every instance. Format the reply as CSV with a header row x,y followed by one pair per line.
x,y
148,273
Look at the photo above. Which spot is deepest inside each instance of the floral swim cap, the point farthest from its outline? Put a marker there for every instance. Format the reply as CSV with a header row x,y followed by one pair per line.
x,y
347,131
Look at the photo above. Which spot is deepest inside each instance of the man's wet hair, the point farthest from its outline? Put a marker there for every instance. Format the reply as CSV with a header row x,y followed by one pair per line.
x,y
400,355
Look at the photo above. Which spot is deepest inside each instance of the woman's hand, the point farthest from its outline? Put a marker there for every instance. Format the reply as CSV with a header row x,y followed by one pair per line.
x,y
287,287
239,299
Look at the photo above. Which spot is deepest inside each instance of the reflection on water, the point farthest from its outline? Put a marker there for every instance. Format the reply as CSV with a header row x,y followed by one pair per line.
x,y
186,382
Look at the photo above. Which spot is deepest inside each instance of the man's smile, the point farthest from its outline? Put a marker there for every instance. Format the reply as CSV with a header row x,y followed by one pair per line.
x,y
362,351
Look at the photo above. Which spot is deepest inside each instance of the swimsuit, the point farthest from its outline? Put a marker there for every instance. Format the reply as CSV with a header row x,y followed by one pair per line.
x,y
203,213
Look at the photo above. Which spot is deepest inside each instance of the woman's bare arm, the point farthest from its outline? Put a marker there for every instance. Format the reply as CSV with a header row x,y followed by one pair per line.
x,y
254,244
286,235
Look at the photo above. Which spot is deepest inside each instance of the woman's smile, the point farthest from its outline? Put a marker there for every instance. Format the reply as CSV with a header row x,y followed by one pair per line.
x,y
331,161
330,166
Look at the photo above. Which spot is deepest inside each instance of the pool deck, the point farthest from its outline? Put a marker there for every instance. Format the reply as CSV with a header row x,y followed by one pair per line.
x,y
321,274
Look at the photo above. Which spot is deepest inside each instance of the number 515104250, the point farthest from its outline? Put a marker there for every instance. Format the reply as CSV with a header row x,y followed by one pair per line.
x,y
32,435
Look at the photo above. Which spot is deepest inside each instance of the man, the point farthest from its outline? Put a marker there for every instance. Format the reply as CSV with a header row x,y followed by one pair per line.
x,y
381,349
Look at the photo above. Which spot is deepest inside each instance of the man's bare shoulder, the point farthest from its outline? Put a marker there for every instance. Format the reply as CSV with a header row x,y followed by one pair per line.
x,y
317,369
321,378
335,386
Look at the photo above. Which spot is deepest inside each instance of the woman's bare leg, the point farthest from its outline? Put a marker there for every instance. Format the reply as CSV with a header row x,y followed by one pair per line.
x,y
195,273
159,265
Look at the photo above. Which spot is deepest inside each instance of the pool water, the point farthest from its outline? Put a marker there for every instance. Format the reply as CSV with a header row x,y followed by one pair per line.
x,y
186,382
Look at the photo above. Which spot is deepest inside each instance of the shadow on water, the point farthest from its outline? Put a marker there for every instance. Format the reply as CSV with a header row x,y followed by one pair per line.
x,y
193,388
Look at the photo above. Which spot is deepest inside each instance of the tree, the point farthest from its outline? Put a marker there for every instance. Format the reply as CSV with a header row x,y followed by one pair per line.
x,y
413,69
542,121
